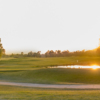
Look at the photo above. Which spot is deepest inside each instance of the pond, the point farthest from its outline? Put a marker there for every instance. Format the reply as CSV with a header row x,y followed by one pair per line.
x,y
76,66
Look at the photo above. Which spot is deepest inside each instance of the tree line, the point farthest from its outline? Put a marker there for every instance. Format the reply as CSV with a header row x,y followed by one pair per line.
x,y
67,53
57,53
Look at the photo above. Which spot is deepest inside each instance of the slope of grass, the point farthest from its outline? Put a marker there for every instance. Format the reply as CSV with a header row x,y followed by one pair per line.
x,y
53,76
34,70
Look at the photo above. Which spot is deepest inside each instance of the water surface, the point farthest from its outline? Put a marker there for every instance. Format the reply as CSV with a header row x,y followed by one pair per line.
x,y
76,66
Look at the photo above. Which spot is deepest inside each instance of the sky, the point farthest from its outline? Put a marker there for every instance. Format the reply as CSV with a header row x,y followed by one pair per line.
x,y
41,25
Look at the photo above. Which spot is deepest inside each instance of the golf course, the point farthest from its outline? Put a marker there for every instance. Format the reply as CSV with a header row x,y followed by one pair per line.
x,y
36,71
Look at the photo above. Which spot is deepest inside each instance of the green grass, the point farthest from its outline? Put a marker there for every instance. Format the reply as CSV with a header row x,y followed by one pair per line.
x,y
23,93
53,76
29,62
34,70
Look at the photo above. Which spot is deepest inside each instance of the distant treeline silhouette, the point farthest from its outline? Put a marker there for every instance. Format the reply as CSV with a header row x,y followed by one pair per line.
x,y
57,53
30,54
66,53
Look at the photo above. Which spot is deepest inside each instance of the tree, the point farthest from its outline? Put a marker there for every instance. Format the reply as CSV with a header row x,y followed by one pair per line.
x,y
58,53
30,54
1,52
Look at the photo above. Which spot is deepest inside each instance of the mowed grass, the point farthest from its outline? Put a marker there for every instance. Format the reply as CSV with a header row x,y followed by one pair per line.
x,y
35,70
53,76
30,62
24,93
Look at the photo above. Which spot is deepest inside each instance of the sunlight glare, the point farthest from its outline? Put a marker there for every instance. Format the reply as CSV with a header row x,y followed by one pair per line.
x,y
94,67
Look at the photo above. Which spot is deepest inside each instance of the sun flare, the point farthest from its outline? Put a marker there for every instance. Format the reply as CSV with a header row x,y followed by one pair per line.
x,y
94,67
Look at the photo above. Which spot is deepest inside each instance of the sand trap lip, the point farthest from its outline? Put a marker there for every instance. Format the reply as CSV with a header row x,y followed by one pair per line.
x,y
85,86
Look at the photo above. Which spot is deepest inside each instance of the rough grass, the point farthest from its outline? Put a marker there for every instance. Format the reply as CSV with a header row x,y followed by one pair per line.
x,y
23,93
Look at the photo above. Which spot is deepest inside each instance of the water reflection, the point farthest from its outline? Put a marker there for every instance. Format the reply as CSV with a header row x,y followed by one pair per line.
x,y
75,66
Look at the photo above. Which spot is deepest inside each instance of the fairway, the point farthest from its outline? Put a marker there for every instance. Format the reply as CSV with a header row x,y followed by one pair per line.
x,y
22,93
35,70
